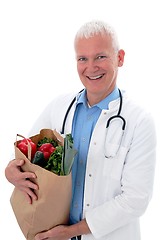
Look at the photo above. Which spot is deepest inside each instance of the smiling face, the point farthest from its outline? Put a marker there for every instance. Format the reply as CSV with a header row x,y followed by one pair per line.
x,y
97,65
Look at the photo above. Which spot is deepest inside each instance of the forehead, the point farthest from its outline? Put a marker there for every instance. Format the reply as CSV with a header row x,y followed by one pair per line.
x,y
95,44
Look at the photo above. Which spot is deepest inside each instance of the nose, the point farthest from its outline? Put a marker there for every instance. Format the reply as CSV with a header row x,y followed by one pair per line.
x,y
92,66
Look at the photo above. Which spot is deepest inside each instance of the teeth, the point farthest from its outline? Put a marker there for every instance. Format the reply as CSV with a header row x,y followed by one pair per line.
x,y
96,77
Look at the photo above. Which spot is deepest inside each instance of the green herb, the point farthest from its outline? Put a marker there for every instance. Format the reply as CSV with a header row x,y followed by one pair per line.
x,y
47,140
54,162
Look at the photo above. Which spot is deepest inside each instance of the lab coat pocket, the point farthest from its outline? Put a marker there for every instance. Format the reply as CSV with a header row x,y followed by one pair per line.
x,y
113,166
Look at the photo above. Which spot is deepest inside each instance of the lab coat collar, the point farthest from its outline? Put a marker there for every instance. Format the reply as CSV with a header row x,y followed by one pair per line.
x,y
104,104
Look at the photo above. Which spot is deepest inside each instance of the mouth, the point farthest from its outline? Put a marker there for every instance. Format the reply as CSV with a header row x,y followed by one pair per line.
x,y
95,77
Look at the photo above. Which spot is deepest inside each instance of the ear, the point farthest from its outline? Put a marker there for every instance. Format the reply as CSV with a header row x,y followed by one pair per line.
x,y
121,54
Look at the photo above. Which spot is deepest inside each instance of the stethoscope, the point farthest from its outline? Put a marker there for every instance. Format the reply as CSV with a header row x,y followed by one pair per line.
x,y
112,148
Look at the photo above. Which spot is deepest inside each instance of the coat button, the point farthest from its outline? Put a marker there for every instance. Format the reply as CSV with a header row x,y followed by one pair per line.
x,y
87,204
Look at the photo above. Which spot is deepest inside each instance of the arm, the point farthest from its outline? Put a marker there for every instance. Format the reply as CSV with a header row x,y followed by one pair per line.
x,y
136,184
63,232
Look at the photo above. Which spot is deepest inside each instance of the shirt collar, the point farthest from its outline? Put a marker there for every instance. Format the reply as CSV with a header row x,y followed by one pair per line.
x,y
103,104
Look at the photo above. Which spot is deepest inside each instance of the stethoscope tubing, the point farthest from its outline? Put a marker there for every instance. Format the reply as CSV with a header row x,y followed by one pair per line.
x,y
109,120
118,114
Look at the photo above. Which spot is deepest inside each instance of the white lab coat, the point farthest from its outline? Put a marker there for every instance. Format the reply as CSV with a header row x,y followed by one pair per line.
x,y
117,189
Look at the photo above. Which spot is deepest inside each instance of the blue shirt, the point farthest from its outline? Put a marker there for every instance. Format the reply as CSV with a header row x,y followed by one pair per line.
x,y
84,121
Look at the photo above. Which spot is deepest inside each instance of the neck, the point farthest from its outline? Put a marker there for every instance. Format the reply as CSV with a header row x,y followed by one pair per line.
x,y
94,98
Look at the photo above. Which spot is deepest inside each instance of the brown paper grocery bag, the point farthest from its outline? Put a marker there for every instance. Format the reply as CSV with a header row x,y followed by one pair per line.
x,y
54,196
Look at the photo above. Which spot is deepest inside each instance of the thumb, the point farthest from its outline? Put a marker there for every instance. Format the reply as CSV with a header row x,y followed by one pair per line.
x,y
20,162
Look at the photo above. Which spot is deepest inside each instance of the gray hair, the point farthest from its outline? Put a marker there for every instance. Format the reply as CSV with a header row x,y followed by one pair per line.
x,y
95,27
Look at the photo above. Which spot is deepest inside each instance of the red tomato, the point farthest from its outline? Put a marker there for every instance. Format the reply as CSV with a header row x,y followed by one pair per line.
x,y
47,149
23,147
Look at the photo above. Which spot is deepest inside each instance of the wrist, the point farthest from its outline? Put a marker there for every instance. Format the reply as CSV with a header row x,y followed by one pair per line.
x,y
80,228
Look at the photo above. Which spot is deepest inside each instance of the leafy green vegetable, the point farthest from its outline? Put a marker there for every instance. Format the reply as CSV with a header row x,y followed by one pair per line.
x,y
54,162
47,140
61,160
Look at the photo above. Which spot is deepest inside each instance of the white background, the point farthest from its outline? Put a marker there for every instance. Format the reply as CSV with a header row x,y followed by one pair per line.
x,y
37,63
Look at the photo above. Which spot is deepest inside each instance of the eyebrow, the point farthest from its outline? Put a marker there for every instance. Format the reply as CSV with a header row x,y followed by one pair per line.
x,y
97,54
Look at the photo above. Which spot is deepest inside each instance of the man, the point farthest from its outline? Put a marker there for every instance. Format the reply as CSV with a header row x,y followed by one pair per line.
x,y
114,169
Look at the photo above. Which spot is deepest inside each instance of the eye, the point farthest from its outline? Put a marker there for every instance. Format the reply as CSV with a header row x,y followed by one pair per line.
x,y
101,57
82,59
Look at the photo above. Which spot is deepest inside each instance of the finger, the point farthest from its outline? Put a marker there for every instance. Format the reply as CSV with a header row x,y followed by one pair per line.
x,y
29,187
16,162
28,175
41,236
31,184
27,197
22,180
19,162
29,194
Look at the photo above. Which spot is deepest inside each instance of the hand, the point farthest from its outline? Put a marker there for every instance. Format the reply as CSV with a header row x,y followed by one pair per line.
x,y
64,232
21,180
56,233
